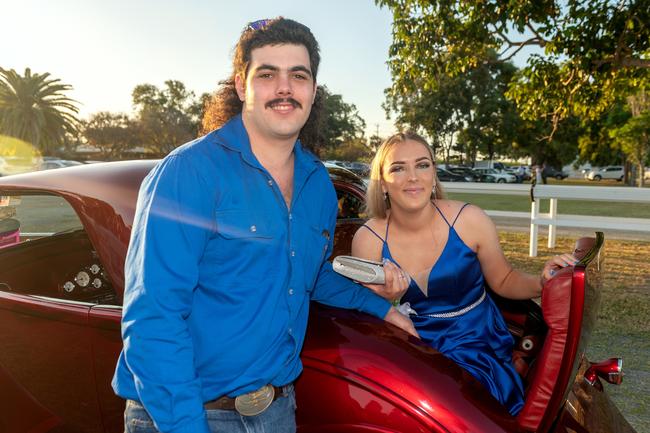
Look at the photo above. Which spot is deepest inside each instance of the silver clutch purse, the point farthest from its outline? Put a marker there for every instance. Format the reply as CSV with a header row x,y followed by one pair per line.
x,y
361,270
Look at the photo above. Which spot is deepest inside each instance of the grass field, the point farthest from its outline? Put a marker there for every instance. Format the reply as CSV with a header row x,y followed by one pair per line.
x,y
623,327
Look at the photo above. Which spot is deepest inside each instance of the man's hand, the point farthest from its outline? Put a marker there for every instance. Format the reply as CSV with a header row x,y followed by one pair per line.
x,y
396,282
396,318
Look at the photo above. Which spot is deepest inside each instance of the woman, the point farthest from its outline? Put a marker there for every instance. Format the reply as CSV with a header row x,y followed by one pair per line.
x,y
449,250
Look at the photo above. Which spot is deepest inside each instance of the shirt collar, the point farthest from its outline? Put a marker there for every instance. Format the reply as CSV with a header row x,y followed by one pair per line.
x,y
233,136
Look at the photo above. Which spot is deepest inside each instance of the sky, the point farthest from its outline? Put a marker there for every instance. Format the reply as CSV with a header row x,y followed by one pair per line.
x,y
105,48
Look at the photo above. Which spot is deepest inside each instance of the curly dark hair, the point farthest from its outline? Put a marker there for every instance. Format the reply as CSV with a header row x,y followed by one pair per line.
x,y
225,103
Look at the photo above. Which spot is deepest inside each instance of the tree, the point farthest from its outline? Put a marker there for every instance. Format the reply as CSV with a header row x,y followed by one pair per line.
x,y
111,133
34,108
595,143
588,48
634,136
341,121
167,117
466,112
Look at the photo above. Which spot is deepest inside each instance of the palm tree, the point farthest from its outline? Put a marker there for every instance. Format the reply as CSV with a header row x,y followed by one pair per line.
x,y
35,109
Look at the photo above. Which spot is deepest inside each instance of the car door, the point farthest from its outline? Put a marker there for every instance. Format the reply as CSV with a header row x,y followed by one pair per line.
x,y
106,342
45,361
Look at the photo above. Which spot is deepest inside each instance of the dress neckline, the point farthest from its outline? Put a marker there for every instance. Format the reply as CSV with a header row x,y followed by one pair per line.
x,y
429,270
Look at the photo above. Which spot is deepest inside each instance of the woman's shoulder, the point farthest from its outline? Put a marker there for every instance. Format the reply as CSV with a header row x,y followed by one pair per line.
x,y
454,208
373,227
369,238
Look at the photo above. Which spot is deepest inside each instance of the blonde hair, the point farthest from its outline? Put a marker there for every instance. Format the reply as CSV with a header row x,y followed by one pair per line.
x,y
376,205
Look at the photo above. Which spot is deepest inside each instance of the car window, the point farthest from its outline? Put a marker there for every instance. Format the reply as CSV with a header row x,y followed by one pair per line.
x,y
350,206
45,251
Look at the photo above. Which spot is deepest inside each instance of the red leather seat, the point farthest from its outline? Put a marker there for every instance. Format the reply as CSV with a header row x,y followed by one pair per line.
x,y
543,377
563,300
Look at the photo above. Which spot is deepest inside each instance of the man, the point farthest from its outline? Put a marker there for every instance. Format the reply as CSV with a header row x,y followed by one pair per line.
x,y
229,243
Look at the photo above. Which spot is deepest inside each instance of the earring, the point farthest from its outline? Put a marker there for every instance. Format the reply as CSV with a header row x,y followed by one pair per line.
x,y
387,200
433,193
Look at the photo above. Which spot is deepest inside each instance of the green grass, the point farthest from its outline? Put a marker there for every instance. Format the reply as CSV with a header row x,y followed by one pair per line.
x,y
564,207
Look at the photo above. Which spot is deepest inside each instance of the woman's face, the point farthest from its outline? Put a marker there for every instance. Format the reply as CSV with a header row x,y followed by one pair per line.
x,y
408,175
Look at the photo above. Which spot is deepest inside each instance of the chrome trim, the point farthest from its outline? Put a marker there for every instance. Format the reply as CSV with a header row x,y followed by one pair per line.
x,y
62,301
108,306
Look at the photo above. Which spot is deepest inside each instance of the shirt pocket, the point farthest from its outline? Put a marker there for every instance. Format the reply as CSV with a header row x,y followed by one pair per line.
x,y
238,224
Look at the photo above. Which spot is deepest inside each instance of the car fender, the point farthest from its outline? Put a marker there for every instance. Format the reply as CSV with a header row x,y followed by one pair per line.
x,y
360,371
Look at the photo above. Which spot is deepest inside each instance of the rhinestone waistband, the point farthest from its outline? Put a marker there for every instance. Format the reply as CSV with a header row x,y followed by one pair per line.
x,y
457,312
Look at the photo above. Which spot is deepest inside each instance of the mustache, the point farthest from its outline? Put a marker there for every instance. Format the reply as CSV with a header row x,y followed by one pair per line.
x,y
291,101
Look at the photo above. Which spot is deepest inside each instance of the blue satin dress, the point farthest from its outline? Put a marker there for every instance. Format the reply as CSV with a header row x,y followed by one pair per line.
x,y
457,318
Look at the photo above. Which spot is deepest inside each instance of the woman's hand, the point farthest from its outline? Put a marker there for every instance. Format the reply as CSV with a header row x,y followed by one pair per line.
x,y
396,282
401,321
556,263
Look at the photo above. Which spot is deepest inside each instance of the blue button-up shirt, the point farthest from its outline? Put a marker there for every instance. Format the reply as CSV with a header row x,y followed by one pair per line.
x,y
219,275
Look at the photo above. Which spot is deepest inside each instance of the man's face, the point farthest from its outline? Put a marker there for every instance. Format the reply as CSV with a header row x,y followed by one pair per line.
x,y
278,92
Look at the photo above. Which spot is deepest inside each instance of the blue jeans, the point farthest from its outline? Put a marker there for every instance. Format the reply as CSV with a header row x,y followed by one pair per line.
x,y
278,418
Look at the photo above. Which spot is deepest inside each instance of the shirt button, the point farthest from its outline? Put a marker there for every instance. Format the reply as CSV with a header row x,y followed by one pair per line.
x,y
270,182
293,254
290,330
253,229
290,216
291,291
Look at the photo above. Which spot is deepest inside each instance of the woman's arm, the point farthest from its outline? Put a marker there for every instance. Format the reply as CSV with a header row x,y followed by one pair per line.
x,y
506,281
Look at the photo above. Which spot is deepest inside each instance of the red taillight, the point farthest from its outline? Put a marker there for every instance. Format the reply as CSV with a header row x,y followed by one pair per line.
x,y
610,370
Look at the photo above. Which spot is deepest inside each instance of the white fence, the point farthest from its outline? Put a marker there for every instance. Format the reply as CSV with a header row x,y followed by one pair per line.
x,y
555,192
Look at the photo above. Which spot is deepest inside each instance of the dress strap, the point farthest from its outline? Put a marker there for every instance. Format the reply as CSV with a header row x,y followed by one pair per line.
x,y
441,214
374,233
458,214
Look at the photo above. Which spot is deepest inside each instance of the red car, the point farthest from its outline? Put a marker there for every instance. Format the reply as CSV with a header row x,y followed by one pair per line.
x,y
63,241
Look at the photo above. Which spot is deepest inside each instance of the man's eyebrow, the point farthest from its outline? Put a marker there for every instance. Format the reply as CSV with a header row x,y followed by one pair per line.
x,y
267,67
301,68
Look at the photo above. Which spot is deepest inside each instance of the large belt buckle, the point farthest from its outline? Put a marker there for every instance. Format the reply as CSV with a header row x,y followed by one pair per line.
x,y
255,402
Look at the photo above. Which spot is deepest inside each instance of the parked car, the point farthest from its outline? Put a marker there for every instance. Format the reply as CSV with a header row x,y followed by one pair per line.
x,y
61,291
608,172
359,168
499,176
489,164
467,172
50,164
554,173
448,176
521,171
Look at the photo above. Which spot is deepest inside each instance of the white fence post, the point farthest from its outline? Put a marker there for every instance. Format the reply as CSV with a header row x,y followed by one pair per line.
x,y
552,214
534,212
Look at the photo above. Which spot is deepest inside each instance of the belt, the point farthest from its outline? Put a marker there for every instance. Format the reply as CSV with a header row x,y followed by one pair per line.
x,y
252,403
460,312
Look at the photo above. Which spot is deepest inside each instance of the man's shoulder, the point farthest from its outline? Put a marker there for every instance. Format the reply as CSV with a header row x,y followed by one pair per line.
x,y
197,147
